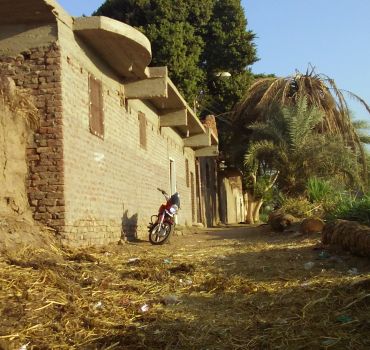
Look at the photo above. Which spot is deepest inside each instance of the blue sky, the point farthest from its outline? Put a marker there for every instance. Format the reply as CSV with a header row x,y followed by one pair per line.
x,y
331,35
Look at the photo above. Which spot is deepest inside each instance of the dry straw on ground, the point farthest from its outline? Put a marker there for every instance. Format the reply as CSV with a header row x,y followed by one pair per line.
x,y
247,290
349,235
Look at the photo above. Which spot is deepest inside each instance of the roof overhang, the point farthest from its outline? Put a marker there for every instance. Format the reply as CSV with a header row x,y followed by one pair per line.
x,y
128,52
162,93
176,113
30,11
125,49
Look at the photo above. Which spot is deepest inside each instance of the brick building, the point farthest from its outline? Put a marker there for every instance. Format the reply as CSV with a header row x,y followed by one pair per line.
x,y
112,129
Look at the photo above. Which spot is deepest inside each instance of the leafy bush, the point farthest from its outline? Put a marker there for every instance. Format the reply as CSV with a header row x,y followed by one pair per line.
x,y
352,208
319,190
299,207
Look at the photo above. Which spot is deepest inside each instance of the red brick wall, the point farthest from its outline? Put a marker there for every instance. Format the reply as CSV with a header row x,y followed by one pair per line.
x,y
38,71
110,183
91,189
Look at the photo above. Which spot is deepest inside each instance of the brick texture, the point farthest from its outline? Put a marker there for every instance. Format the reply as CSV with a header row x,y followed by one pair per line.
x,y
38,71
92,190
110,184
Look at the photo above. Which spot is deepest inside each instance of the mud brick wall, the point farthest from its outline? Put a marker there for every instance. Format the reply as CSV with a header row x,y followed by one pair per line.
x,y
110,183
38,71
91,190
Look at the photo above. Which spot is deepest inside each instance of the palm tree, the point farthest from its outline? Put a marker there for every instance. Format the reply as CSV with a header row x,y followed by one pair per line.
x,y
288,143
319,90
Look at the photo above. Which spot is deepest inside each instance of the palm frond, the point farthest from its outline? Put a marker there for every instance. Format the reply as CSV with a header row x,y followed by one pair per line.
x,y
258,151
320,91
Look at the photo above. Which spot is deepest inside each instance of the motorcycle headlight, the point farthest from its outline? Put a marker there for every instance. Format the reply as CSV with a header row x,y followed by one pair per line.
x,y
174,208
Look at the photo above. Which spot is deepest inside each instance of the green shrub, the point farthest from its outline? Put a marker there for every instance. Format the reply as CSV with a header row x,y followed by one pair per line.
x,y
319,190
300,207
351,208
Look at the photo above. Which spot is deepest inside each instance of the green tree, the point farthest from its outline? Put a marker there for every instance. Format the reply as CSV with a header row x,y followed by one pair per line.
x,y
229,48
197,40
288,142
174,29
320,91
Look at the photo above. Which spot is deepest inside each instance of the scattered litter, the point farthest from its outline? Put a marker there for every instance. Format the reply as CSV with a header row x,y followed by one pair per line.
x,y
353,271
182,268
329,342
296,234
98,305
267,281
133,260
24,347
170,300
324,255
336,259
344,319
167,261
107,254
309,265
144,308
306,284
186,282
222,257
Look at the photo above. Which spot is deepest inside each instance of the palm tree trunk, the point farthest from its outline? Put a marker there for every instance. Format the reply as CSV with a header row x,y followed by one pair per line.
x,y
257,209
252,208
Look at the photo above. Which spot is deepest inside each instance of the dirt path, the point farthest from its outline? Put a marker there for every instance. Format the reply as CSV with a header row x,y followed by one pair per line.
x,y
225,288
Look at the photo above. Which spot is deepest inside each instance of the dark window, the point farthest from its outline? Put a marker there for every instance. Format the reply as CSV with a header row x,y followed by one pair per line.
x,y
193,208
187,172
96,107
208,177
142,128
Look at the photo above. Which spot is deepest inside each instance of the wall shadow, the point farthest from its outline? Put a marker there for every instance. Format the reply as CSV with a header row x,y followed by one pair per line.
x,y
129,226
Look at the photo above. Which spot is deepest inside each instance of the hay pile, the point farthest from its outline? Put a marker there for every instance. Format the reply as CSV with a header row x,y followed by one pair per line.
x,y
349,235
239,290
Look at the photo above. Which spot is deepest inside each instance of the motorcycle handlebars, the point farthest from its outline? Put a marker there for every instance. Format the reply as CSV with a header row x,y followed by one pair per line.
x,y
163,191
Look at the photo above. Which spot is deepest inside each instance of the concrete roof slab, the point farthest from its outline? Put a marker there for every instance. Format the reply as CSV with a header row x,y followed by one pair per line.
x,y
25,11
124,48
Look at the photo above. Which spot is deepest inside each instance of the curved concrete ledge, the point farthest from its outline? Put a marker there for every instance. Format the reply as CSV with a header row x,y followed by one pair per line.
x,y
124,48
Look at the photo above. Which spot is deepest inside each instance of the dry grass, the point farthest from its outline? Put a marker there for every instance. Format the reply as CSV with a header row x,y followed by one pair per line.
x,y
245,288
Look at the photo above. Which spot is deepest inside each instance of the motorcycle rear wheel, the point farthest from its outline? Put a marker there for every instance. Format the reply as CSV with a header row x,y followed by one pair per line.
x,y
158,238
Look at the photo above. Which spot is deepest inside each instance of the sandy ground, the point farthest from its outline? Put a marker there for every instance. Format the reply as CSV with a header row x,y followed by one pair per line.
x,y
237,287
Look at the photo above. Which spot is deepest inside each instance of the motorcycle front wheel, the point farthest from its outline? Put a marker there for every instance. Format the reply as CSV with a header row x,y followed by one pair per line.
x,y
158,235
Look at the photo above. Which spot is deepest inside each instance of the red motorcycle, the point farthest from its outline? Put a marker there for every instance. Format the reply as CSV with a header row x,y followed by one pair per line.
x,y
163,224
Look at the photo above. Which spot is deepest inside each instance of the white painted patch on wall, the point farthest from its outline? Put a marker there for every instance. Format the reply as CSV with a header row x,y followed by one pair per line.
x,y
98,157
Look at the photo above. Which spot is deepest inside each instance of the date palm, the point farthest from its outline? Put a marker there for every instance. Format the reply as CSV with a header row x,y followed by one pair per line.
x,y
319,90
288,142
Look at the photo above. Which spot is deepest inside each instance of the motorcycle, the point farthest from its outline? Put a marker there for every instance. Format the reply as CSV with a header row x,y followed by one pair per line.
x,y
163,224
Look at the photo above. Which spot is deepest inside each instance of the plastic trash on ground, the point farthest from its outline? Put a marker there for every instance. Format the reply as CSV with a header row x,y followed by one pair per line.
x,y
98,305
186,282
344,319
144,308
353,271
309,265
170,300
324,255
